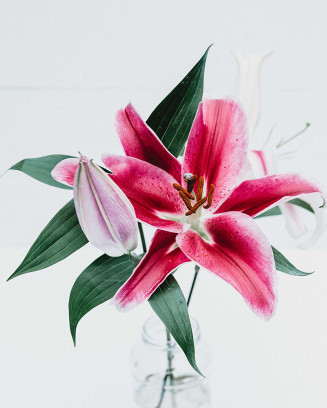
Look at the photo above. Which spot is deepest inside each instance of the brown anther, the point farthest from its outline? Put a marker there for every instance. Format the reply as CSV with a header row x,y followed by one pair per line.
x,y
180,188
185,199
196,206
199,189
210,195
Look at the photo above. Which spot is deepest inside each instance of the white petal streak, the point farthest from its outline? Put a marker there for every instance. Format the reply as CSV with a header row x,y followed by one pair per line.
x,y
248,88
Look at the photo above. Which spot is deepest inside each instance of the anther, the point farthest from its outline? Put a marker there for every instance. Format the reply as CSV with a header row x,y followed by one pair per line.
x,y
190,181
185,199
210,195
180,188
196,206
199,189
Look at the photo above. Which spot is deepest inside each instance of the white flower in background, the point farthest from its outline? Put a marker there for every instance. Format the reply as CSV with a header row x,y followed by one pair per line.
x,y
248,86
265,161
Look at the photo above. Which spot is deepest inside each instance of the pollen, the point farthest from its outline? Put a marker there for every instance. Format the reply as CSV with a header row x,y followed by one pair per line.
x,y
185,192
185,199
199,190
210,195
196,206
186,195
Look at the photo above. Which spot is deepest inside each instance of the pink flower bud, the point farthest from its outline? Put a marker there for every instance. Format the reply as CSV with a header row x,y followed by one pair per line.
x,y
105,214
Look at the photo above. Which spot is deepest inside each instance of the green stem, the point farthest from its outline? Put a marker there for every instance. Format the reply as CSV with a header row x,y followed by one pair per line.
x,y
196,273
142,237
169,371
170,357
163,389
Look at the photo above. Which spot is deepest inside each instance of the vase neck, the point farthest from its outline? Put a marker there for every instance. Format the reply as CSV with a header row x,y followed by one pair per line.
x,y
154,333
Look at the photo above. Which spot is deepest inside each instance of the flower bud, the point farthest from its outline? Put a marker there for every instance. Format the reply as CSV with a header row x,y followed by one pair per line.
x,y
105,214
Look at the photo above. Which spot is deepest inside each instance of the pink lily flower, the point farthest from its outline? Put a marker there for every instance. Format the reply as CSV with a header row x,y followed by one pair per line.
x,y
105,214
201,212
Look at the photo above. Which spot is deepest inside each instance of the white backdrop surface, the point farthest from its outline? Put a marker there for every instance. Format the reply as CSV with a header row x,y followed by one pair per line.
x,y
66,67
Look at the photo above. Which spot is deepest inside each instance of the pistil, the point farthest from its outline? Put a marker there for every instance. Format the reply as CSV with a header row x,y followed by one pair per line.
x,y
190,180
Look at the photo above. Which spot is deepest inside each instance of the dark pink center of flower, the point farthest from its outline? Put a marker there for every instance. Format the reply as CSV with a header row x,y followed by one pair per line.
x,y
186,195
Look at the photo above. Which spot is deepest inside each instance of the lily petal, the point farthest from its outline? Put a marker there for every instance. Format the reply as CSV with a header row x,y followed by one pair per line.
x,y
150,190
64,172
248,91
294,220
216,148
106,216
161,259
253,197
261,163
298,222
239,253
139,141
320,227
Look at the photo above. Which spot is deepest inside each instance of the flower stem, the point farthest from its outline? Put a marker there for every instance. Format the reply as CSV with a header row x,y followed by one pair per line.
x,y
162,391
196,273
169,371
142,237
170,357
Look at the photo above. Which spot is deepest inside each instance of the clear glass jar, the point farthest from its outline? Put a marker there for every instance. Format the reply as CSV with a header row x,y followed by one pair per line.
x,y
163,376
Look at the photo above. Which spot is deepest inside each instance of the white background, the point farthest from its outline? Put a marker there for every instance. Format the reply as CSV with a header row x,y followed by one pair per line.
x,y
66,67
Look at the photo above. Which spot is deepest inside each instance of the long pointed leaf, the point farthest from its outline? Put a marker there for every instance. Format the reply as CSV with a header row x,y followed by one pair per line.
x,y
302,204
277,211
173,117
59,239
40,168
284,265
96,284
170,305
269,213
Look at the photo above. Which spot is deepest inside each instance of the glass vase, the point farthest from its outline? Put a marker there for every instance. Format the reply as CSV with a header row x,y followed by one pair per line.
x,y
162,375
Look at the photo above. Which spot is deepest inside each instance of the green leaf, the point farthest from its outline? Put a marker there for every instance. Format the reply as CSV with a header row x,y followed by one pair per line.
x,y
277,211
272,211
169,304
284,265
96,284
40,168
302,204
59,239
173,117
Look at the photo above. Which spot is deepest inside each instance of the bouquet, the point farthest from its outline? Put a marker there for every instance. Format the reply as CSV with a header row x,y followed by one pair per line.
x,y
185,173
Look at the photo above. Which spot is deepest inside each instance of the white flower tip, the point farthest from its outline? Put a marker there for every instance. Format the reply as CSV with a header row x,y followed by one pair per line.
x,y
122,307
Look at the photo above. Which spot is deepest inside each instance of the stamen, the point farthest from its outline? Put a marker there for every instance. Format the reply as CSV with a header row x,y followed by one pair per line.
x,y
190,181
180,188
186,200
196,206
199,190
210,195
